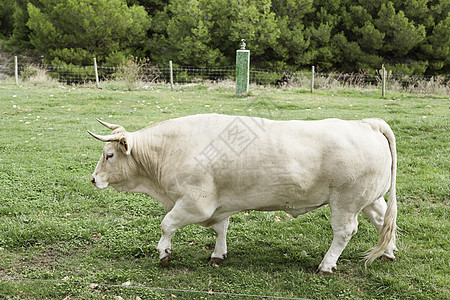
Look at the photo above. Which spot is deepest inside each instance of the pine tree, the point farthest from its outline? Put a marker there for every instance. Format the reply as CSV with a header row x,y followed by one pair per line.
x,y
439,52
6,19
207,33
106,29
401,35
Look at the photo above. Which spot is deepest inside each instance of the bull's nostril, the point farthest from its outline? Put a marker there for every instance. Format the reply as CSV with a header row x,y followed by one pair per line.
x,y
93,179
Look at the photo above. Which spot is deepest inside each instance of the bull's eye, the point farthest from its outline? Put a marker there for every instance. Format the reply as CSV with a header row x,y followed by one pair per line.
x,y
109,155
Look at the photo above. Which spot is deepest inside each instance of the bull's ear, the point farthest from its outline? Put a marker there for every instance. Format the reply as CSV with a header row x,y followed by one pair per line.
x,y
127,142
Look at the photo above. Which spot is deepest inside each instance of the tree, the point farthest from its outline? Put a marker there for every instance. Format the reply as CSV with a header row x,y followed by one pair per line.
x,y
371,39
207,33
294,38
151,6
401,34
189,34
412,36
439,52
360,43
6,19
20,40
75,31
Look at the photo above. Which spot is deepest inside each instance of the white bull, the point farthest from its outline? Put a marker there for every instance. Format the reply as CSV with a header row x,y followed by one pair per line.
x,y
205,168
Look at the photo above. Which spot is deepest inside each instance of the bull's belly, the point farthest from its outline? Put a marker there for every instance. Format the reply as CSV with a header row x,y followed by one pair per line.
x,y
291,210
297,199
231,206
269,198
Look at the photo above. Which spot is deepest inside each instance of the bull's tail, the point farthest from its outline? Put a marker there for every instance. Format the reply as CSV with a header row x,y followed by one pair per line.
x,y
387,233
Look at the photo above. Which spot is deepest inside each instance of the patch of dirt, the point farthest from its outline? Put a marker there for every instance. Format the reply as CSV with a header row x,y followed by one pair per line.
x,y
42,259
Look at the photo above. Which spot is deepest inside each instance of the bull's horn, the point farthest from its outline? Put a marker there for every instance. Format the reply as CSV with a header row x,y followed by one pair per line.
x,y
110,126
108,138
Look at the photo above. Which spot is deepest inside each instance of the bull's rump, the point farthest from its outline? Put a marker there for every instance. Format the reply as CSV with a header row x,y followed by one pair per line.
x,y
252,163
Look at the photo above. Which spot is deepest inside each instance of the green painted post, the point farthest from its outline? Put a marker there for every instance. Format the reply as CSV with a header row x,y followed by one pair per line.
x,y
242,70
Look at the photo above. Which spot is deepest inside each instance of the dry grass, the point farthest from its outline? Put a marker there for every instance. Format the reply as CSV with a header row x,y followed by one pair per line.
x,y
416,85
136,72
36,74
359,81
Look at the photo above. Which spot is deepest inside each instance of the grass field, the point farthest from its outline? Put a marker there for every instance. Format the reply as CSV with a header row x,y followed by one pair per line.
x,y
60,233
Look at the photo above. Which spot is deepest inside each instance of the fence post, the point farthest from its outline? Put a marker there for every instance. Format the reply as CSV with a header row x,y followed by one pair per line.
x,y
312,79
383,85
96,71
171,74
16,70
242,69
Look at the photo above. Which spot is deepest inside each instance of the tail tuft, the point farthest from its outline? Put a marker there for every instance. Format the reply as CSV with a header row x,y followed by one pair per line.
x,y
388,231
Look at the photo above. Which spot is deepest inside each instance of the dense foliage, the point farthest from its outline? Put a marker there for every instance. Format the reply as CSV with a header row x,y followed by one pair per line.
x,y
408,36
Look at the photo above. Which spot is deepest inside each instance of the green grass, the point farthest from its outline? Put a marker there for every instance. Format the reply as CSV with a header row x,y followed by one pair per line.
x,y
54,225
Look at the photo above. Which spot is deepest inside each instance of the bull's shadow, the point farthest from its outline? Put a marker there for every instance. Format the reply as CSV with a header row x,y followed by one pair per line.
x,y
256,244
259,255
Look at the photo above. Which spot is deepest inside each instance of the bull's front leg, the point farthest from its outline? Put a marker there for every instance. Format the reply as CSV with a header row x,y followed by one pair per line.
x,y
220,250
169,227
177,218
184,213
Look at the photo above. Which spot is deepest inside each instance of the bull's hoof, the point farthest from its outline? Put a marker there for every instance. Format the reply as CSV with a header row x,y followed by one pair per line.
x,y
166,260
215,261
387,258
322,273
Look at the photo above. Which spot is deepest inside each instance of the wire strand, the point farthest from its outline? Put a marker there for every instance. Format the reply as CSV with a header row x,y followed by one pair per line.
x,y
146,288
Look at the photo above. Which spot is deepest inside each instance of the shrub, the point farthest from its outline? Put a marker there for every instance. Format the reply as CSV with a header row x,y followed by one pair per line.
x,y
35,74
135,70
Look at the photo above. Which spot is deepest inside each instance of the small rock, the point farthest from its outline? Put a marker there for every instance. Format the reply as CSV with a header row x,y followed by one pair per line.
x,y
94,286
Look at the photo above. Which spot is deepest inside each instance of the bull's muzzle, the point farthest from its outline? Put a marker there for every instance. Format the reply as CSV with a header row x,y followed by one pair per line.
x,y
98,183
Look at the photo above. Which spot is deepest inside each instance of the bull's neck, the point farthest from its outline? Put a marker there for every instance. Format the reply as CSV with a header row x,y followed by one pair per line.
x,y
147,153
153,150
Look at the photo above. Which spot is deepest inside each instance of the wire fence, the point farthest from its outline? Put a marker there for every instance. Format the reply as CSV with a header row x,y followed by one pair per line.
x,y
71,74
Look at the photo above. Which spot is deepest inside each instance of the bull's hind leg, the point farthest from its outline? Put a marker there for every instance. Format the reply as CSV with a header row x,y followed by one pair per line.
x,y
344,225
375,212
220,251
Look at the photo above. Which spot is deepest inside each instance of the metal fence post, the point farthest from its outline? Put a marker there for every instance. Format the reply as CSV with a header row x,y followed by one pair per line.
x,y
16,70
171,74
383,86
312,79
96,72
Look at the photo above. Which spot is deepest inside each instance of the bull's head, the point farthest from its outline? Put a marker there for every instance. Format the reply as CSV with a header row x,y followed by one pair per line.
x,y
116,162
